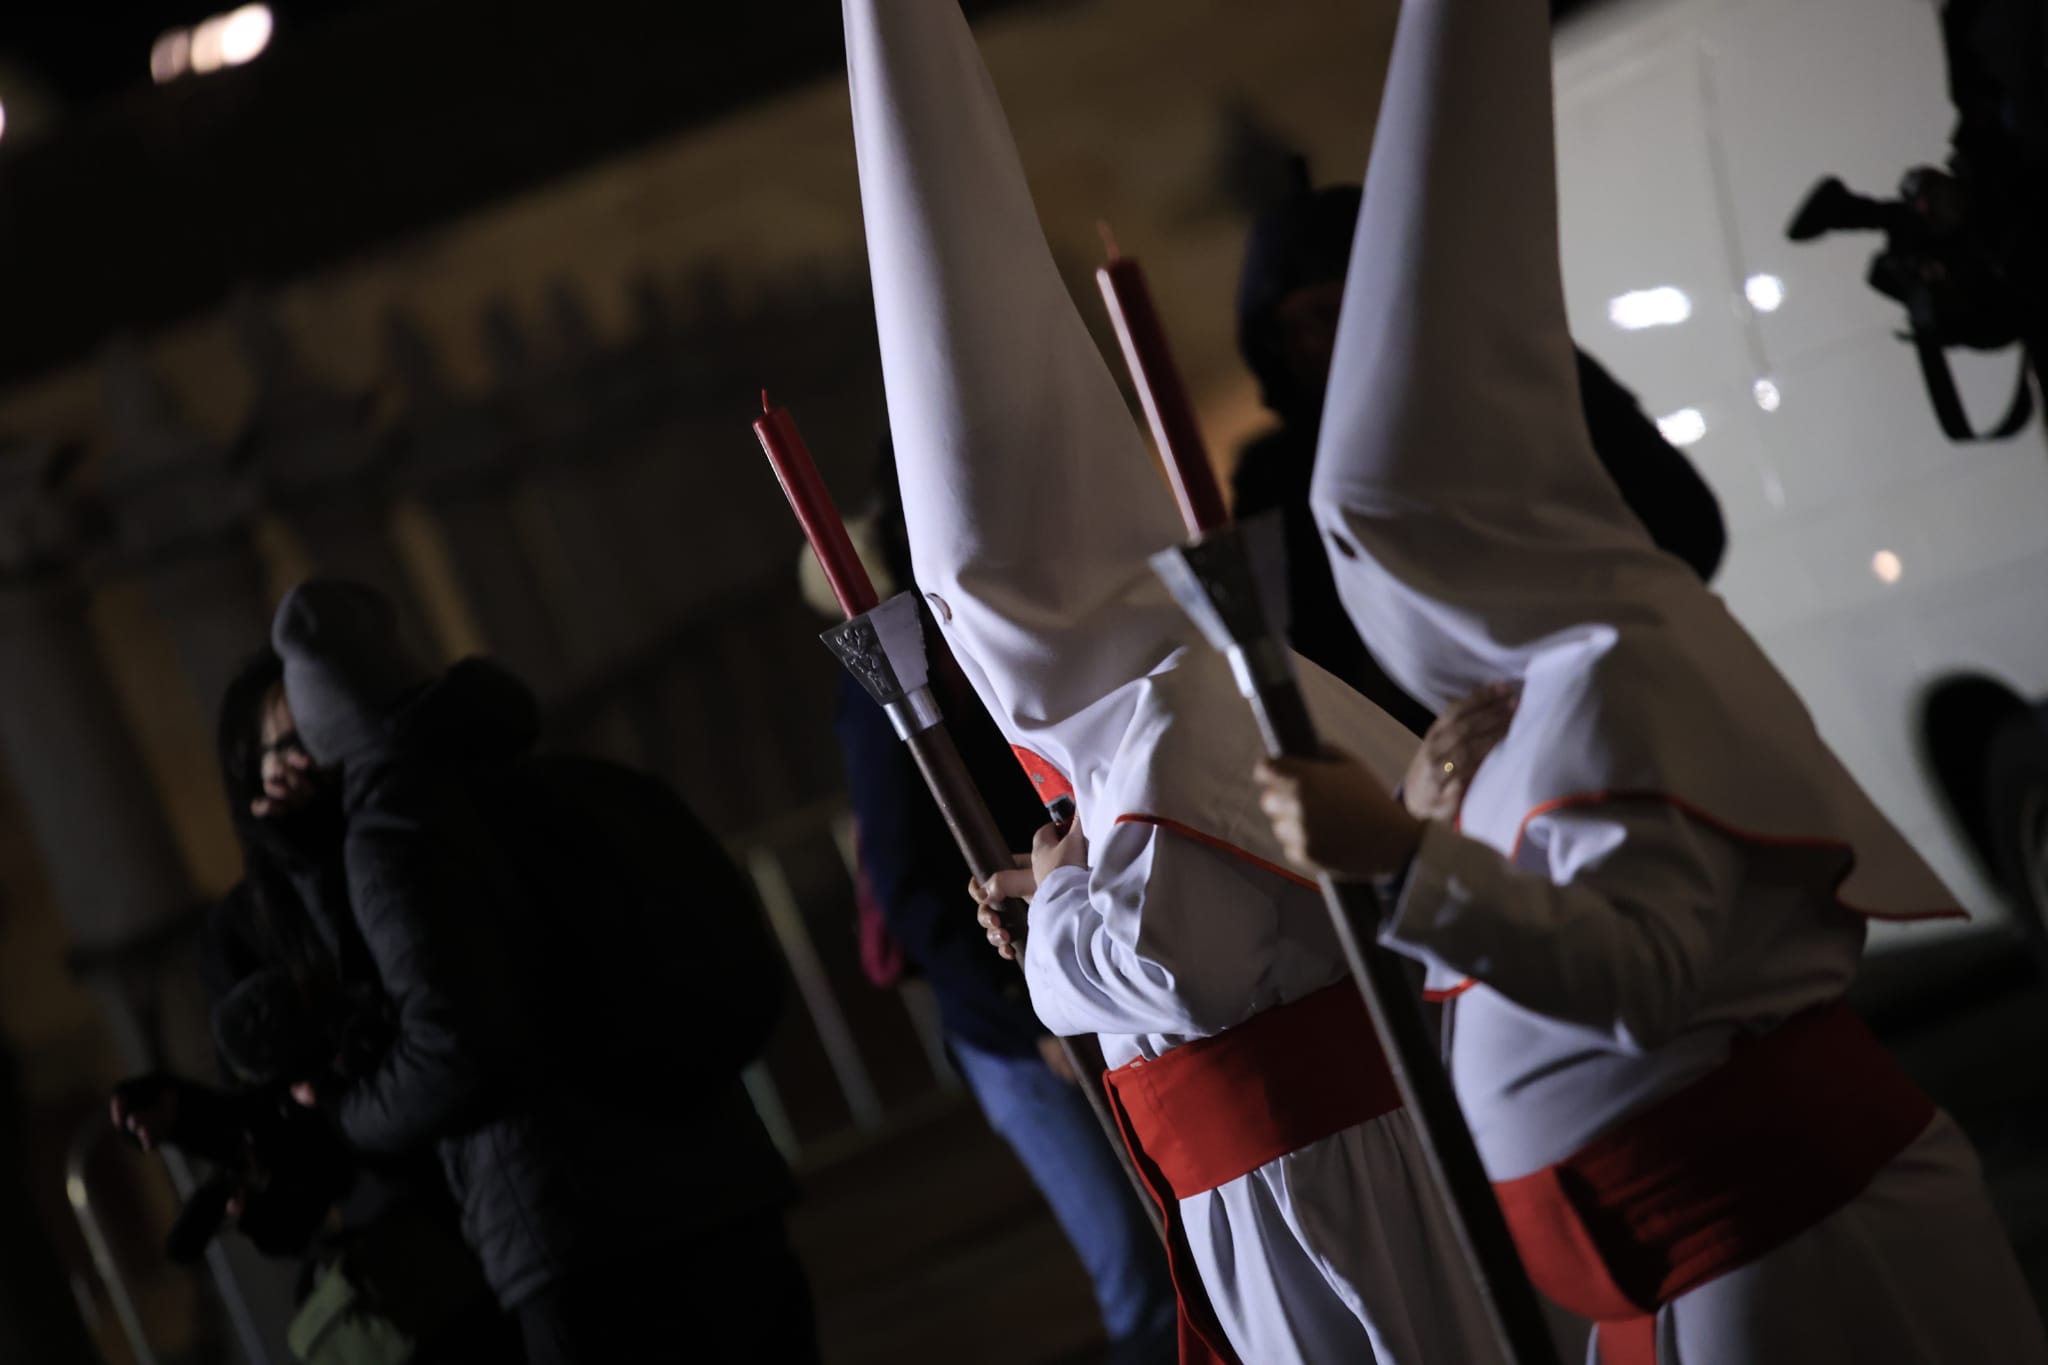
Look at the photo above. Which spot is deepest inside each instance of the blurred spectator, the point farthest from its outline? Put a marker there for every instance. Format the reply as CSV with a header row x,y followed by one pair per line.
x,y
577,973
1291,285
294,993
1015,1069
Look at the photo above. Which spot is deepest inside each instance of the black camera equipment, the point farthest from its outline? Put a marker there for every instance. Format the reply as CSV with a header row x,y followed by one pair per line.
x,y
1966,247
282,1160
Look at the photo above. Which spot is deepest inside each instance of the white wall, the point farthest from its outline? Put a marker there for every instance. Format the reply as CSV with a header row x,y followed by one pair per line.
x,y
1689,130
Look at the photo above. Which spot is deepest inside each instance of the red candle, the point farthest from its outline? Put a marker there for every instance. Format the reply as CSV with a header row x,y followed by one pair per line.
x,y
1164,398
798,475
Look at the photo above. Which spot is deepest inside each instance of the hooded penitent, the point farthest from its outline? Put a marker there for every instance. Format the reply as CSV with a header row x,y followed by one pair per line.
x,y
1030,499
1472,532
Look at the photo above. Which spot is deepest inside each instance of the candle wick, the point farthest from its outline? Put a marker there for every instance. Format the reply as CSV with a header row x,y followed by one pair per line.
x,y
764,402
1108,240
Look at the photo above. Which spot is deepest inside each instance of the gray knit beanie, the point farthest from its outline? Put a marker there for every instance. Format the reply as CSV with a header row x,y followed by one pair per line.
x,y
344,666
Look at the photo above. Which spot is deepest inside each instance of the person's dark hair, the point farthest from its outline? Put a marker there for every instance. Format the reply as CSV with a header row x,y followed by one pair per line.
x,y
271,849
241,736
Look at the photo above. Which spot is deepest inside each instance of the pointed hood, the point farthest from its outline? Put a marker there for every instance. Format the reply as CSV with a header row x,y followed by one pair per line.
x,y
1030,499
1470,527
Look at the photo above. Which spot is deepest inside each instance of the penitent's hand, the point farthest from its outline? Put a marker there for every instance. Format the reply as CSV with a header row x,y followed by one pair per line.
x,y
1049,852
1331,815
1458,742
1019,883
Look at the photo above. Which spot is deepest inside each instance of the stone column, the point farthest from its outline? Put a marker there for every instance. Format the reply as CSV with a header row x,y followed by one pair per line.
x,y
559,404
458,457
598,609
106,848
317,461
673,474
810,345
180,515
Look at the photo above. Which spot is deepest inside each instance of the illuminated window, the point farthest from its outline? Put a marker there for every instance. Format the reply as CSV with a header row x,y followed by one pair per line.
x,y
1660,307
1684,427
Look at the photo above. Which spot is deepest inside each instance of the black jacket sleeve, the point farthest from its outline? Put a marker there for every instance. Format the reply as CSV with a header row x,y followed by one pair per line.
x,y
227,953
433,909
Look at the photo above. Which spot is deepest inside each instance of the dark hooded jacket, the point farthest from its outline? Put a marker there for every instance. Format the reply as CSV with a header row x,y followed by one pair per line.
x,y
238,948
386,1216
1305,240
558,1162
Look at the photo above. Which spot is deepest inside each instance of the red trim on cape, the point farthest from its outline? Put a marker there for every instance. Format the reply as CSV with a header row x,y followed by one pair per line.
x,y
1188,832
1222,845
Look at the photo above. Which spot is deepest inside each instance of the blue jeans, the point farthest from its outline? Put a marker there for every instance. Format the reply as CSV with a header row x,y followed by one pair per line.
x,y
1055,1134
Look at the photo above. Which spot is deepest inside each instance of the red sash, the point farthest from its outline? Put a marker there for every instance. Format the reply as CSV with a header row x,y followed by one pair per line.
x,y
1790,1129
1218,1108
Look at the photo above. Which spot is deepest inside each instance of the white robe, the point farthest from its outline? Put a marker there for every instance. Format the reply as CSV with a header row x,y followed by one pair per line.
x,y
1033,509
1678,832
1337,1252
1621,953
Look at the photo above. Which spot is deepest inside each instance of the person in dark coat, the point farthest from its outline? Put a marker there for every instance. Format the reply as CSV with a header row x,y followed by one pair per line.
x,y
1289,290
292,991
1015,1069
622,1211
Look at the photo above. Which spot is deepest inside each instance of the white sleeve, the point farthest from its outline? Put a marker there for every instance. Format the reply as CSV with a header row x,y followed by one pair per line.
x,y
1162,935
1617,933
